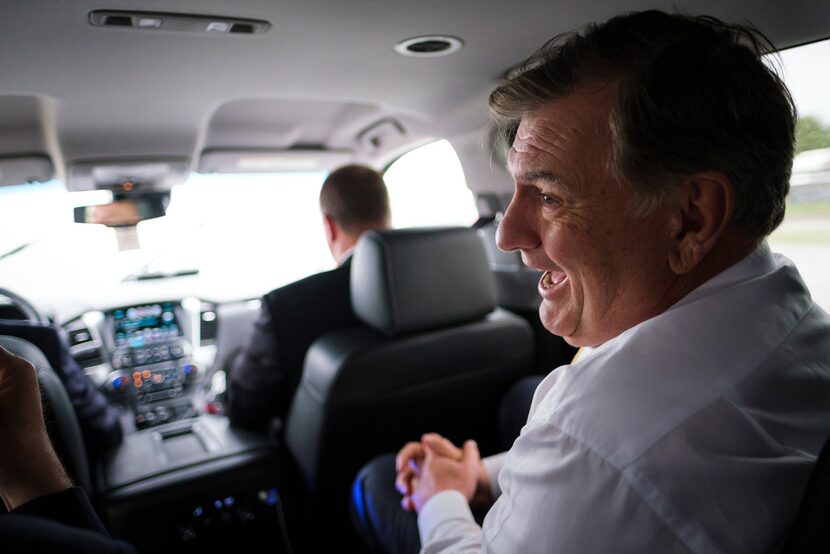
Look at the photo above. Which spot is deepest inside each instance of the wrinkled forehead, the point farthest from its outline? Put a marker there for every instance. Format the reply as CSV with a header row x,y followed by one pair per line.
x,y
575,126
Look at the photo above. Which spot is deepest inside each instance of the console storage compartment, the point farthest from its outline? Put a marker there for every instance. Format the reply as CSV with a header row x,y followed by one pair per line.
x,y
195,484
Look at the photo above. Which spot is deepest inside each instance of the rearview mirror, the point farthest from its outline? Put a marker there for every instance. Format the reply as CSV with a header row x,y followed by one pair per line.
x,y
124,212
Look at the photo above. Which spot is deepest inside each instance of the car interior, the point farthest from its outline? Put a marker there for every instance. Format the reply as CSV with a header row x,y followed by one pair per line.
x,y
150,150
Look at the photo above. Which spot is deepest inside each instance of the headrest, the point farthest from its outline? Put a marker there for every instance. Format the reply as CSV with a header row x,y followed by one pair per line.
x,y
407,280
25,350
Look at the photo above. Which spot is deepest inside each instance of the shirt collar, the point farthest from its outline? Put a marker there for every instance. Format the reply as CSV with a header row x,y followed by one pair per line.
x,y
759,262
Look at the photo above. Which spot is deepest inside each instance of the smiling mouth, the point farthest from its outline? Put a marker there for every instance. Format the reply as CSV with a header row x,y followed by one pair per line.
x,y
551,279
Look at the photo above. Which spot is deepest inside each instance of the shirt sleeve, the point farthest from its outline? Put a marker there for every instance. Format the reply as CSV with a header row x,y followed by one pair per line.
x,y
493,465
256,381
70,507
59,522
446,524
557,496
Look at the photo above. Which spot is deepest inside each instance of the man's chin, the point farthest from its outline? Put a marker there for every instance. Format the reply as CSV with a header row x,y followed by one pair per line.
x,y
555,325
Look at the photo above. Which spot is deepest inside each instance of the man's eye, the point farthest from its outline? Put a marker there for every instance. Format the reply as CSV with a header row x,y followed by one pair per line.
x,y
548,199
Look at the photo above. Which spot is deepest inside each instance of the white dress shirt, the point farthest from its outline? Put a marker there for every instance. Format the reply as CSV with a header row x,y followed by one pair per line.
x,y
694,431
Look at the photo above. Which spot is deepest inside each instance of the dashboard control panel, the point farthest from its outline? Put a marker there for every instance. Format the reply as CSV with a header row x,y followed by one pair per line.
x,y
152,362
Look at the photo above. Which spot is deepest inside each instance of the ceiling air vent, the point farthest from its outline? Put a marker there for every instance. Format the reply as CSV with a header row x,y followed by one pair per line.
x,y
428,46
214,25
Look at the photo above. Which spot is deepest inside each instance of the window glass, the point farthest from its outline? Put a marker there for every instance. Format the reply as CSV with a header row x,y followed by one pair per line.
x,y
804,236
224,236
245,234
427,188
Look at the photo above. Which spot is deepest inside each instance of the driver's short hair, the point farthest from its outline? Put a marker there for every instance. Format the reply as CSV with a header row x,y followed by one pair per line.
x,y
355,197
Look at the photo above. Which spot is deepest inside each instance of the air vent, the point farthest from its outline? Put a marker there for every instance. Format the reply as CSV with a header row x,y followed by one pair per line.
x,y
79,336
429,46
243,28
118,21
208,325
90,357
177,22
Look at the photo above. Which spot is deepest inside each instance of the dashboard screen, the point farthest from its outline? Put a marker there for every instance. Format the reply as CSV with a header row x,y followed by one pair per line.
x,y
139,326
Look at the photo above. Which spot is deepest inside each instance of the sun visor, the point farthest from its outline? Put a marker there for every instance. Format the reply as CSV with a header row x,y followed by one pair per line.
x,y
271,161
16,170
147,175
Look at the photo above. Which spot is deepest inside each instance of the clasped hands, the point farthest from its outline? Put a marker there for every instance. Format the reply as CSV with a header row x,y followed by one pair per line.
x,y
435,464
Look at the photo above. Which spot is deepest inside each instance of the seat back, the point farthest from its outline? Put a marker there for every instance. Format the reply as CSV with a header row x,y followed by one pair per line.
x,y
811,532
61,422
434,355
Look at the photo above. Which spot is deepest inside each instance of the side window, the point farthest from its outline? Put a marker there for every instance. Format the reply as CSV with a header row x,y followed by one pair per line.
x,y
804,236
427,188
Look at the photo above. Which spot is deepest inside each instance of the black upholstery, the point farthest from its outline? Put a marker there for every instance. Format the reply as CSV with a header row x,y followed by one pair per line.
x,y
811,532
61,422
367,390
407,280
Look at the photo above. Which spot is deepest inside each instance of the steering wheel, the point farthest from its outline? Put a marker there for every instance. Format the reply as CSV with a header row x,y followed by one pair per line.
x,y
32,313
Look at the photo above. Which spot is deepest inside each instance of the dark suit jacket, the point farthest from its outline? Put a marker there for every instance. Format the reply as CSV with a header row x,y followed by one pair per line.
x,y
59,522
266,374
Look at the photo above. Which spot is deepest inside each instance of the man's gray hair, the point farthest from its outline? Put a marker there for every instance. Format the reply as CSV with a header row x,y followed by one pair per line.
x,y
694,95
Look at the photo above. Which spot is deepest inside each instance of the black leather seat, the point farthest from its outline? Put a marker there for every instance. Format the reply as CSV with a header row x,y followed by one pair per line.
x,y
61,422
435,354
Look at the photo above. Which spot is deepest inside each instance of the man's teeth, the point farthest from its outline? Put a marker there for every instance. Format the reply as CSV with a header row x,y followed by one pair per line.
x,y
548,280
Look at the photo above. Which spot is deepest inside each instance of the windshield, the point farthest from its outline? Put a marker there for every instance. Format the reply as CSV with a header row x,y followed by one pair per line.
x,y
245,234
225,237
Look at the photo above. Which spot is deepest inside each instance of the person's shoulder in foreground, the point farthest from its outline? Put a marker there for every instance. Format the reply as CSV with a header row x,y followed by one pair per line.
x,y
353,199
46,514
646,180
98,420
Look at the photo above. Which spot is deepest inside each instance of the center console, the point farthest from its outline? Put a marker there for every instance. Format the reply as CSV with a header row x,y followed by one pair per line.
x,y
153,369
196,485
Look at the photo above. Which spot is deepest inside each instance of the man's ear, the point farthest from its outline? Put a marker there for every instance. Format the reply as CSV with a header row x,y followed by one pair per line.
x,y
331,228
703,210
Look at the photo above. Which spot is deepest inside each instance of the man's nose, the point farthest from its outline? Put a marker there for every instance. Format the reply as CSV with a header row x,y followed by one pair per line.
x,y
515,230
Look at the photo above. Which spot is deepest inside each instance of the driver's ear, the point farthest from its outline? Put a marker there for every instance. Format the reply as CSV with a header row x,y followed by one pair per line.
x,y
331,229
702,212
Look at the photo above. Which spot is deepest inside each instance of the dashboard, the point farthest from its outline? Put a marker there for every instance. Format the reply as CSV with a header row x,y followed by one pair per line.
x,y
161,361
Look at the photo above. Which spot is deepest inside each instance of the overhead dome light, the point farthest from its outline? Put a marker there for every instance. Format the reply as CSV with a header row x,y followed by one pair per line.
x,y
428,46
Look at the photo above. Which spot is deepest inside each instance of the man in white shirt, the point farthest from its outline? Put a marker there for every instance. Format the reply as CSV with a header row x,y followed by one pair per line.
x,y
651,157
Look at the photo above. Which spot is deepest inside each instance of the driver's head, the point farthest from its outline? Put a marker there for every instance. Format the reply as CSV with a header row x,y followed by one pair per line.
x,y
353,199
